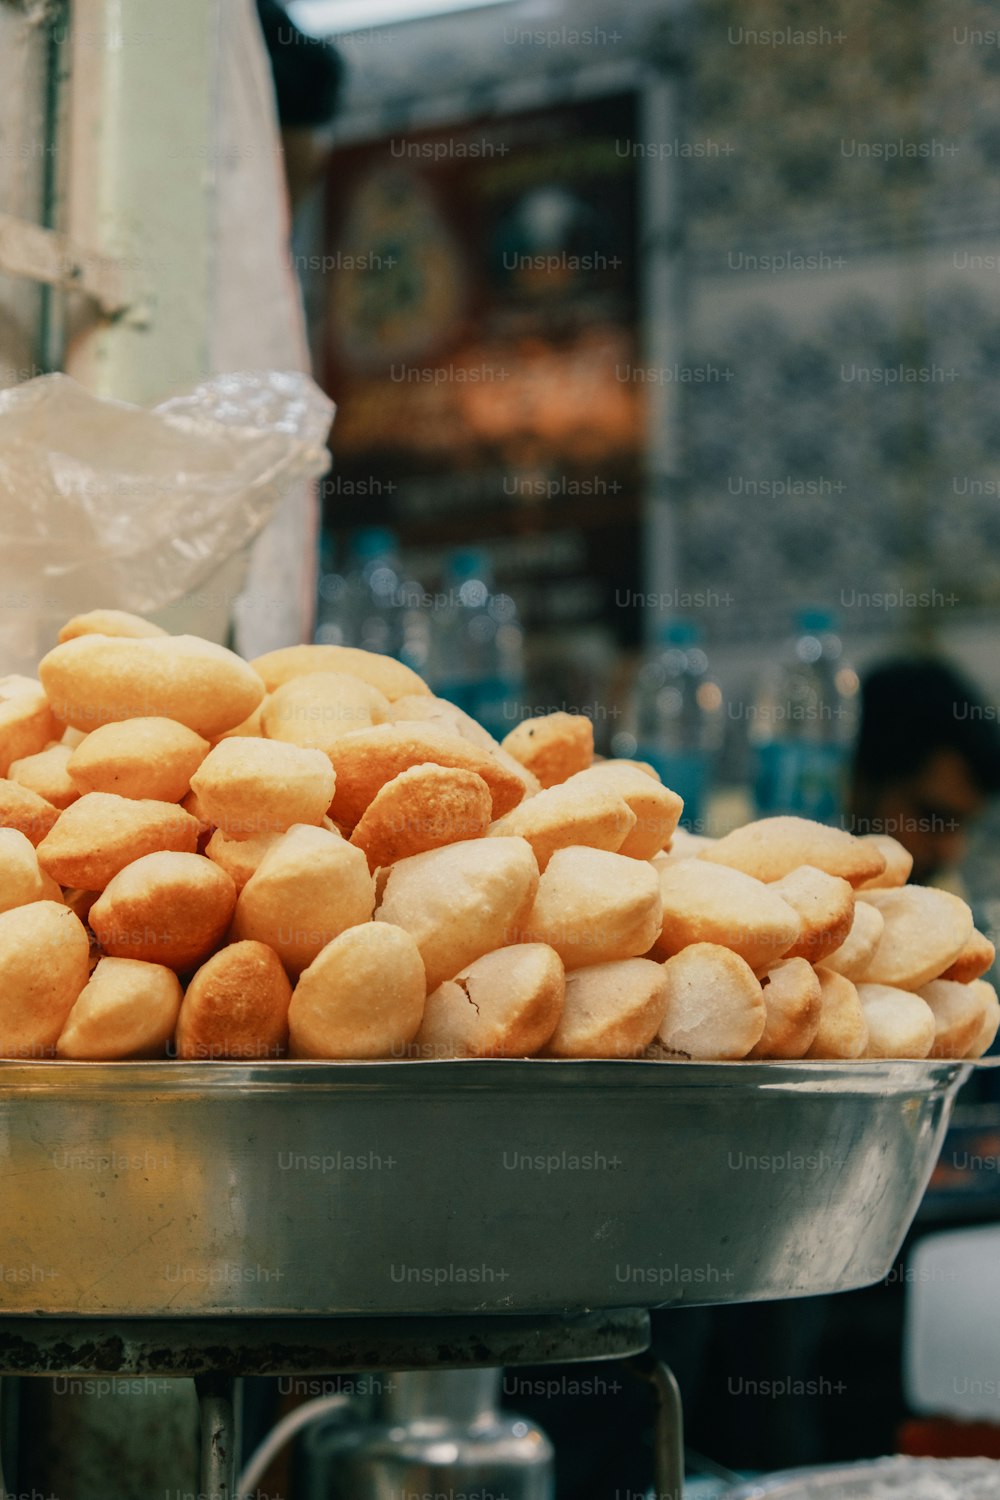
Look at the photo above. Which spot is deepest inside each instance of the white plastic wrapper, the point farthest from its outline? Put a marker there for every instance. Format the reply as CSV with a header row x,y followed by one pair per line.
x,y
108,505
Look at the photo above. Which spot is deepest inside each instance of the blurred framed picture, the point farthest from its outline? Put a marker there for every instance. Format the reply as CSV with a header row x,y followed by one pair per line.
x,y
481,338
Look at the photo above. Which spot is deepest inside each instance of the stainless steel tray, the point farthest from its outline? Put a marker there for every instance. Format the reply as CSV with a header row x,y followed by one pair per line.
x,y
962,1479
455,1188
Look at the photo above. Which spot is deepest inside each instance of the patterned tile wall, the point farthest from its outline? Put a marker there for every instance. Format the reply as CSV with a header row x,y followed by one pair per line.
x,y
845,272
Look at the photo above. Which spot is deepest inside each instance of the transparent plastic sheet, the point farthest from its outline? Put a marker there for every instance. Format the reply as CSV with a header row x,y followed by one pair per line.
x,y
119,506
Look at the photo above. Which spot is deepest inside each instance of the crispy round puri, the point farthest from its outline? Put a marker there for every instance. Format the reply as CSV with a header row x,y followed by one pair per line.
x,y
594,816
100,679
109,622
165,908
44,964
126,1009
683,845
363,996
306,890
47,775
595,907
715,1009
656,808
192,804
843,1030
236,1006
637,765
423,808
421,708
552,747
975,959
505,1004
958,1011
858,948
240,858
252,726
898,862
461,901
315,710
925,931
991,1019
102,833
793,999
444,715
825,906
367,758
713,904
610,1010
21,879
772,847
27,723
900,1024
26,811
139,758
390,677
248,786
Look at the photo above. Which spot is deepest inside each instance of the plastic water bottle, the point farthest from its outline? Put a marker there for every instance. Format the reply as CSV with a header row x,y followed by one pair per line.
x,y
476,645
802,725
373,604
677,718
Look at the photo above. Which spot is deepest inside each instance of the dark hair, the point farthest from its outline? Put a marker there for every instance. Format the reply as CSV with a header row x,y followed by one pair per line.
x,y
913,707
307,72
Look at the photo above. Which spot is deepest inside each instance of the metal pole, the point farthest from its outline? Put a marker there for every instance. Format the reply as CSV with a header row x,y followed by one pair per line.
x,y
662,332
668,1429
142,138
3,1486
217,1401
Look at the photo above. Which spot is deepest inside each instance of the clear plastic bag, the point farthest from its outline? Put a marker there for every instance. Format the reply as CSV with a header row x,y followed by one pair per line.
x,y
107,504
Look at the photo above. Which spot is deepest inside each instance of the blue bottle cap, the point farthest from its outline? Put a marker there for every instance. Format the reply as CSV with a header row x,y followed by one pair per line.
x,y
815,621
678,633
372,542
469,562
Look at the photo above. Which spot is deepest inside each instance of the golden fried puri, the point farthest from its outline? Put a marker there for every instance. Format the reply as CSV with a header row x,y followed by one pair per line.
x,y
27,723
595,907
362,996
505,1004
44,964
139,758
165,908
100,679
102,833
248,786
236,1006
423,808
126,1009
610,1010
307,889
461,901
773,847
552,747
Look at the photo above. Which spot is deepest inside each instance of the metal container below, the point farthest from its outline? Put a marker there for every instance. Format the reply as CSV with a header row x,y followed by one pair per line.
x,y
886,1479
455,1188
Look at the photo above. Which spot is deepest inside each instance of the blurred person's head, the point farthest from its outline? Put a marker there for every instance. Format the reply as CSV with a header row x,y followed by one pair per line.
x,y
927,760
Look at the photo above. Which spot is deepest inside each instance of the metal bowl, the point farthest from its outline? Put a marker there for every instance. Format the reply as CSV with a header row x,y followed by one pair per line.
x,y
455,1188
953,1479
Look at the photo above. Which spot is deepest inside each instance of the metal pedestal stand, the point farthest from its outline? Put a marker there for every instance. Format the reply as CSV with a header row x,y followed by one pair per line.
x,y
215,1352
